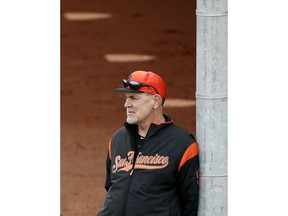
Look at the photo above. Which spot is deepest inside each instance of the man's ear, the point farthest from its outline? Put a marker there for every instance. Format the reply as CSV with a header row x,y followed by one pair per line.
x,y
157,101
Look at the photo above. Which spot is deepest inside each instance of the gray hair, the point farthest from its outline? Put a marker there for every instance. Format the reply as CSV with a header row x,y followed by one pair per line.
x,y
150,95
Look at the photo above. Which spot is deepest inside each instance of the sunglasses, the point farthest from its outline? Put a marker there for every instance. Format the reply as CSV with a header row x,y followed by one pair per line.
x,y
136,85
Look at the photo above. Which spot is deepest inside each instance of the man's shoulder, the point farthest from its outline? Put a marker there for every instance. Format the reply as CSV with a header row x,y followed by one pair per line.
x,y
180,130
182,133
120,132
120,137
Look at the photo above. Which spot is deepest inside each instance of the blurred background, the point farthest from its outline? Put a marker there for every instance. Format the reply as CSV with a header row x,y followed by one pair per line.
x,y
102,42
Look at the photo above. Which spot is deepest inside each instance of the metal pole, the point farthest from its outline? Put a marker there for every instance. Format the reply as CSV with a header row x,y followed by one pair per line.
x,y
211,106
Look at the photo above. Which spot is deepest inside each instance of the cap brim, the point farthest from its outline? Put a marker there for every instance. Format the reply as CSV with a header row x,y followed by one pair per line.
x,y
127,90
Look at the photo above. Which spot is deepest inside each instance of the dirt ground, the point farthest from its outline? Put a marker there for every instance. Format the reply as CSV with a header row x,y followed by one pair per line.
x,y
90,110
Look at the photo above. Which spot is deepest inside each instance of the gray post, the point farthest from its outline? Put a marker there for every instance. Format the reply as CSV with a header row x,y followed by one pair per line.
x,y
211,105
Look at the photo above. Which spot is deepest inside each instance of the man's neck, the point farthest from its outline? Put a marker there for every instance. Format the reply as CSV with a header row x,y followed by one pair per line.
x,y
143,128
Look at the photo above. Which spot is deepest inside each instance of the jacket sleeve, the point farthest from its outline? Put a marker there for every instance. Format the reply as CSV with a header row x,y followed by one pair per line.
x,y
188,179
108,183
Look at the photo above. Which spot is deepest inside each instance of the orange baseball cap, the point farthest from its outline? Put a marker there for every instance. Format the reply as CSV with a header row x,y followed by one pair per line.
x,y
144,81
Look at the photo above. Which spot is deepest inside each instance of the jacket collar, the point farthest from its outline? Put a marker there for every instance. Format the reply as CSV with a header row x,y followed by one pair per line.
x,y
153,129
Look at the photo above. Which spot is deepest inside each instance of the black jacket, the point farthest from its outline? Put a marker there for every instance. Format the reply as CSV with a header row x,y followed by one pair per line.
x,y
162,181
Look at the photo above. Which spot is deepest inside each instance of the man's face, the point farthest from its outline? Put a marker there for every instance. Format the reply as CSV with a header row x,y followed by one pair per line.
x,y
139,107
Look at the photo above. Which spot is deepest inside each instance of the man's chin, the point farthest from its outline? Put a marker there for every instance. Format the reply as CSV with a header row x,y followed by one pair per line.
x,y
131,121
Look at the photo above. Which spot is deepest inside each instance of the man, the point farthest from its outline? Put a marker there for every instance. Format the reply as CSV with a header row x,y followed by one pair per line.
x,y
152,164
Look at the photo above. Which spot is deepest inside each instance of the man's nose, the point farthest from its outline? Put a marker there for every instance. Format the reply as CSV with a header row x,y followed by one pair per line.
x,y
127,103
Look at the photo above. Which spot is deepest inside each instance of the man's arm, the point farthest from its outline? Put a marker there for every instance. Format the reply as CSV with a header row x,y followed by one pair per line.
x,y
108,168
188,178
